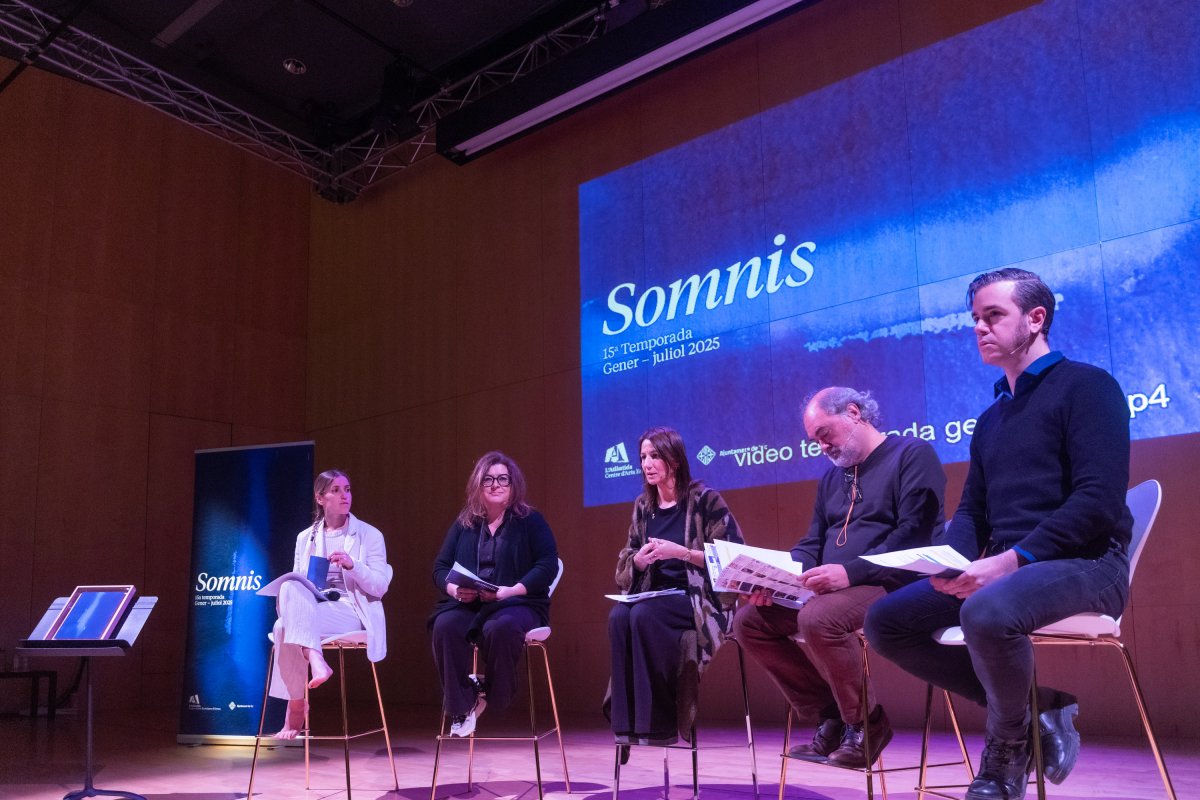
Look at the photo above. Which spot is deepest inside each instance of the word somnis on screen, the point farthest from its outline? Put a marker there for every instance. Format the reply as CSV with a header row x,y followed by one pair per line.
x,y
719,287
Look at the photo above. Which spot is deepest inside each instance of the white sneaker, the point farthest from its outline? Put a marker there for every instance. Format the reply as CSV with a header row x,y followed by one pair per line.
x,y
465,726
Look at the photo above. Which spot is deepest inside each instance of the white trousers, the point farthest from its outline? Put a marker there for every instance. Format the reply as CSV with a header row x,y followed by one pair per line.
x,y
303,622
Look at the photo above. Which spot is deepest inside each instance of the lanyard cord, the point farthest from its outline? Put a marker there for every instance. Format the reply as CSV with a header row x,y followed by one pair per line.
x,y
842,538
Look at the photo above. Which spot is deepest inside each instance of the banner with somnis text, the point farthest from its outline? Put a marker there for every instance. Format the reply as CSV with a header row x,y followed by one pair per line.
x,y
249,505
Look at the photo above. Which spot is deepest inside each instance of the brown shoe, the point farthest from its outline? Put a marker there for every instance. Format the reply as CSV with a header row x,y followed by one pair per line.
x,y
852,751
825,740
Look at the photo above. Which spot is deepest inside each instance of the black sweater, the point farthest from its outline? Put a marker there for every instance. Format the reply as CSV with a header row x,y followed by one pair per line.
x,y
902,485
529,556
1049,468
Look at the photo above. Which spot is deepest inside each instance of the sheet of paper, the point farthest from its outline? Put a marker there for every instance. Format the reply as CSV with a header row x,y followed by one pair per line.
x,y
637,596
272,588
942,560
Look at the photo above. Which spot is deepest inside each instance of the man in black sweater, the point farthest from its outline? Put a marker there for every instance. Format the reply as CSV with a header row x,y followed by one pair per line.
x,y
882,493
1043,517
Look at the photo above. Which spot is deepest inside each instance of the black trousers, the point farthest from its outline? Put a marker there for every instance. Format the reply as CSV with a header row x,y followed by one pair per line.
x,y
645,664
500,646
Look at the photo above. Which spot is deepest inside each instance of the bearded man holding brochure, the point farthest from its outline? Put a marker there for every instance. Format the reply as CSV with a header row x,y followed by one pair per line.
x,y
883,493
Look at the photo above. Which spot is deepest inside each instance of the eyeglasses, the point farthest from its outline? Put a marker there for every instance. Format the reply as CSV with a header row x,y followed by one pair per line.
x,y
499,480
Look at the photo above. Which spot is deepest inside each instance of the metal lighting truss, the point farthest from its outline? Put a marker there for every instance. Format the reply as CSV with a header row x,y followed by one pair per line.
x,y
95,62
372,156
340,173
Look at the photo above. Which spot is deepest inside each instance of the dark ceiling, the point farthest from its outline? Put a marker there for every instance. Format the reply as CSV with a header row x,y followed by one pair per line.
x,y
361,58
347,91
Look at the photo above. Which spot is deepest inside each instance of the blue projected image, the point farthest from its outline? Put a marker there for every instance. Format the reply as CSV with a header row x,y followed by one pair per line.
x,y
831,240
92,614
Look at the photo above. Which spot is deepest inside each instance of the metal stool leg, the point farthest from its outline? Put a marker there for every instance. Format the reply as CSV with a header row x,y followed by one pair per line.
x,y
437,757
262,717
387,739
345,718
866,699
537,759
1141,706
783,759
696,764
749,726
1035,735
554,710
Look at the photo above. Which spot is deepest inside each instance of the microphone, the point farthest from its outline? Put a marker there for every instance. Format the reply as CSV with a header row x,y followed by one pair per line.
x,y
1024,343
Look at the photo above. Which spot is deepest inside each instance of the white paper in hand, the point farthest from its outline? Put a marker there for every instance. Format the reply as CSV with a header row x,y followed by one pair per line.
x,y
941,560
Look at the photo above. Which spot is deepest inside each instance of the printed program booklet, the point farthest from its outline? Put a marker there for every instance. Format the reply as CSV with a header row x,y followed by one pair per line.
x,y
461,576
744,569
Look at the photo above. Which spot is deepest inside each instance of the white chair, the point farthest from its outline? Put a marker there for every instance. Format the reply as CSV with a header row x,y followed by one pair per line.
x,y
534,640
355,640
1091,629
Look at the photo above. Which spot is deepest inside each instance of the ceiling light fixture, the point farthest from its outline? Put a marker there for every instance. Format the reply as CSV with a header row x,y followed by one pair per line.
x,y
295,66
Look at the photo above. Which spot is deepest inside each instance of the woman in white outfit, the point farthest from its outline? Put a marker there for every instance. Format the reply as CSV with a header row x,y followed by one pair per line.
x,y
357,579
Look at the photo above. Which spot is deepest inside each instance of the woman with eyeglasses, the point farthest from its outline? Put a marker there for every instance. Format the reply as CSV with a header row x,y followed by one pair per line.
x,y
661,645
353,556
502,540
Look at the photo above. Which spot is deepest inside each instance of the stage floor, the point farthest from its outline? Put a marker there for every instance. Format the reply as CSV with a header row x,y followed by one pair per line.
x,y
137,753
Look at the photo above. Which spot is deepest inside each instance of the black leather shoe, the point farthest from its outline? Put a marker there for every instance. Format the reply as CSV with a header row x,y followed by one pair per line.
x,y
1002,772
623,754
1060,741
824,741
852,751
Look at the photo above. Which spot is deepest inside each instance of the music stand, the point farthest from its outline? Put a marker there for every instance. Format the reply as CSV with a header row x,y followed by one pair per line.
x,y
39,645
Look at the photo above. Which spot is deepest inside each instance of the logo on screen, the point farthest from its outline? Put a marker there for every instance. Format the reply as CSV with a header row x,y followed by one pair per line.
x,y
194,700
758,454
706,455
616,454
616,462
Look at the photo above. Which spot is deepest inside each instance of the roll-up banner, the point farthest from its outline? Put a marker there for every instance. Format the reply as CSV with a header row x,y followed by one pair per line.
x,y
250,502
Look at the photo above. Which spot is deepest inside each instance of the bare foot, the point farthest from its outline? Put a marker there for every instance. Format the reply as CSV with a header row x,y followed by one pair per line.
x,y
321,671
293,721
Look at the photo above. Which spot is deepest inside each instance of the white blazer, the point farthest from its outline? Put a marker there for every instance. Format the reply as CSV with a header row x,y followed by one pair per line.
x,y
367,582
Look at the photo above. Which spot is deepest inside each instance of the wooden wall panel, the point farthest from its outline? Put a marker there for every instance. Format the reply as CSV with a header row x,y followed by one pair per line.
x,y
168,549
271,238
500,296
20,421
23,331
247,435
199,199
430,286
829,42
193,367
98,350
104,181
268,372
96,456
129,241
25,207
